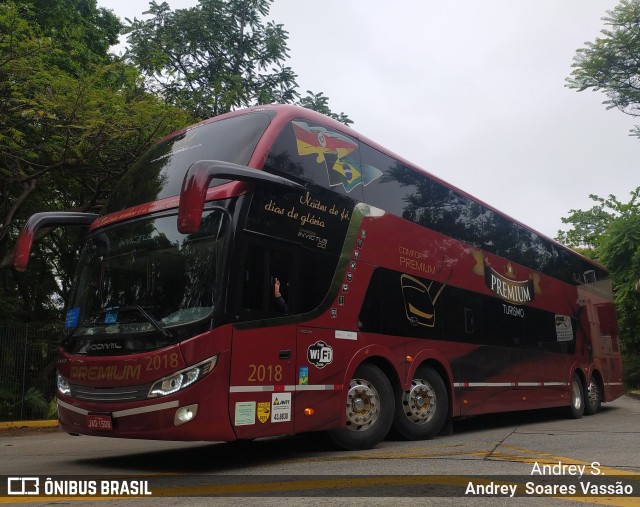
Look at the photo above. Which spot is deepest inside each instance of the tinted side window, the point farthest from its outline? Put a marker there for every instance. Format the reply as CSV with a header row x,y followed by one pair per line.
x,y
339,162
465,221
323,156
304,277
541,333
504,328
399,190
539,254
402,305
499,235
316,273
261,266
463,316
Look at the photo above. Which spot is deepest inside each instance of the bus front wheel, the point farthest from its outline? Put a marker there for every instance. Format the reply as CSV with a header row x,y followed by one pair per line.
x,y
576,409
369,409
421,411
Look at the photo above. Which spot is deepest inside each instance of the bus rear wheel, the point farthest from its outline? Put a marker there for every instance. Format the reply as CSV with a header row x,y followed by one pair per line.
x,y
593,399
576,408
422,410
369,410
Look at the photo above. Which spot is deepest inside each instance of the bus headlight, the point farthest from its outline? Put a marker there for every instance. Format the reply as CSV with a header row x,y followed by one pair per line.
x,y
183,378
63,384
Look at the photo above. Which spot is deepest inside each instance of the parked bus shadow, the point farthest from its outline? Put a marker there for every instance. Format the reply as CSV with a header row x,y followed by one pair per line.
x,y
228,456
504,419
219,456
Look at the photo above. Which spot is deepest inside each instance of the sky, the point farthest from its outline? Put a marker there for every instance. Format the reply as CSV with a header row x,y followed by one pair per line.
x,y
471,91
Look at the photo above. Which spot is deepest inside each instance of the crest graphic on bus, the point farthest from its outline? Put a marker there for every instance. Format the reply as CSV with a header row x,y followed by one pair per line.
x,y
420,300
333,149
263,411
506,286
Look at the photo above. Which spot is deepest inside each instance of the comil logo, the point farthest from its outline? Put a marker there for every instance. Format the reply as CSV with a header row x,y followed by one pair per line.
x,y
23,486
320,354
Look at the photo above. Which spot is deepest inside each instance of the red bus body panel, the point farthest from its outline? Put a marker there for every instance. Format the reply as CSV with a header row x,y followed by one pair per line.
x,y
291,376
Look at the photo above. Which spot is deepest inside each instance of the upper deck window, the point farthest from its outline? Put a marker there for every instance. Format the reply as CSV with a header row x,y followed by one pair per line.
x,y
160,171
323,156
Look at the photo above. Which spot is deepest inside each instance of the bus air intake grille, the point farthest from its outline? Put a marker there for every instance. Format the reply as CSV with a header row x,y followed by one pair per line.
x,y
110,395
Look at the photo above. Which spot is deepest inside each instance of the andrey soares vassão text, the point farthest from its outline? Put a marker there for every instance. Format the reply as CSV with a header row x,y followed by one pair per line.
x,y
585,486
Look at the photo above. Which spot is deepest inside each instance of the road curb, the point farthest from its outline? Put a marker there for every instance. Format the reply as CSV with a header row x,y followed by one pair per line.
x,y
50,423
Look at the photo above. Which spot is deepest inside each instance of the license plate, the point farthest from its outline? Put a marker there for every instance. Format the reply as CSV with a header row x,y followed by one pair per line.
x,y
99,422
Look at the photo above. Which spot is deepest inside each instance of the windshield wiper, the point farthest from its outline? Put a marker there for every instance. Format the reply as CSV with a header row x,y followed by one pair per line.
x,y
149,318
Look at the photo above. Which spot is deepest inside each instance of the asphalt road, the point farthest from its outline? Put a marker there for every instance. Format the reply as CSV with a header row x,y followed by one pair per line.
x,y
499,451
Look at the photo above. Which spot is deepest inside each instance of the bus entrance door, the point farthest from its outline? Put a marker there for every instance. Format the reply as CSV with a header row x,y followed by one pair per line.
x,y
263,351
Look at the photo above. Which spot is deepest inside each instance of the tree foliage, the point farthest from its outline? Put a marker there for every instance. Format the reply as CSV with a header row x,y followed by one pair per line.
x,y
611,232
213,57
320,103
217,56
71,121
619,250
73,117
588,226
611,63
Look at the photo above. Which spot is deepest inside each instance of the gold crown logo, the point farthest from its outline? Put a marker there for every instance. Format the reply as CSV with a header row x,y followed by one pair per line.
x,y
509,271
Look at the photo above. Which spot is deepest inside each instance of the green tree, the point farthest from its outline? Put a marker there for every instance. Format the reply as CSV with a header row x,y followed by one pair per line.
x,y
588,226
217,56
610,231
611,63
67,133
83,31
619,250
318,102
213,57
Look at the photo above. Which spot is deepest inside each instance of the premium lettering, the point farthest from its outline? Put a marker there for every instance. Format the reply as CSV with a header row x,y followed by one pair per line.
x,y
518,292
417,266
113,372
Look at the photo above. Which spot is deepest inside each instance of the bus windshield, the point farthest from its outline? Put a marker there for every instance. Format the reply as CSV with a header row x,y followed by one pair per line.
x,y
137,282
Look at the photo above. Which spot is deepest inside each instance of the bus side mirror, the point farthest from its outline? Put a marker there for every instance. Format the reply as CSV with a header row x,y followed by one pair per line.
x,y
196,182
39,221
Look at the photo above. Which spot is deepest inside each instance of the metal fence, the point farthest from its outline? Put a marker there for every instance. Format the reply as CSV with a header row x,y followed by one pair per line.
x,y
28,355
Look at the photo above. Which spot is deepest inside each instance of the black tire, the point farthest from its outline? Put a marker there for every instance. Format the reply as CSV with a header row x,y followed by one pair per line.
x,y
576,393
593,398
369,410
422,410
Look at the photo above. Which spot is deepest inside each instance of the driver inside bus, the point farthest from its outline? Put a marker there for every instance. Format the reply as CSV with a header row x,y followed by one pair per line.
x,y
281,304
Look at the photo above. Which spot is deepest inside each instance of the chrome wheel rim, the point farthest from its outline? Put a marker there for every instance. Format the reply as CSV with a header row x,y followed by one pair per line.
x,y
363,405
419,402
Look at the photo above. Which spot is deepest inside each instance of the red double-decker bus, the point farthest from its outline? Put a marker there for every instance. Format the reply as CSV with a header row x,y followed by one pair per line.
x,y
270,271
